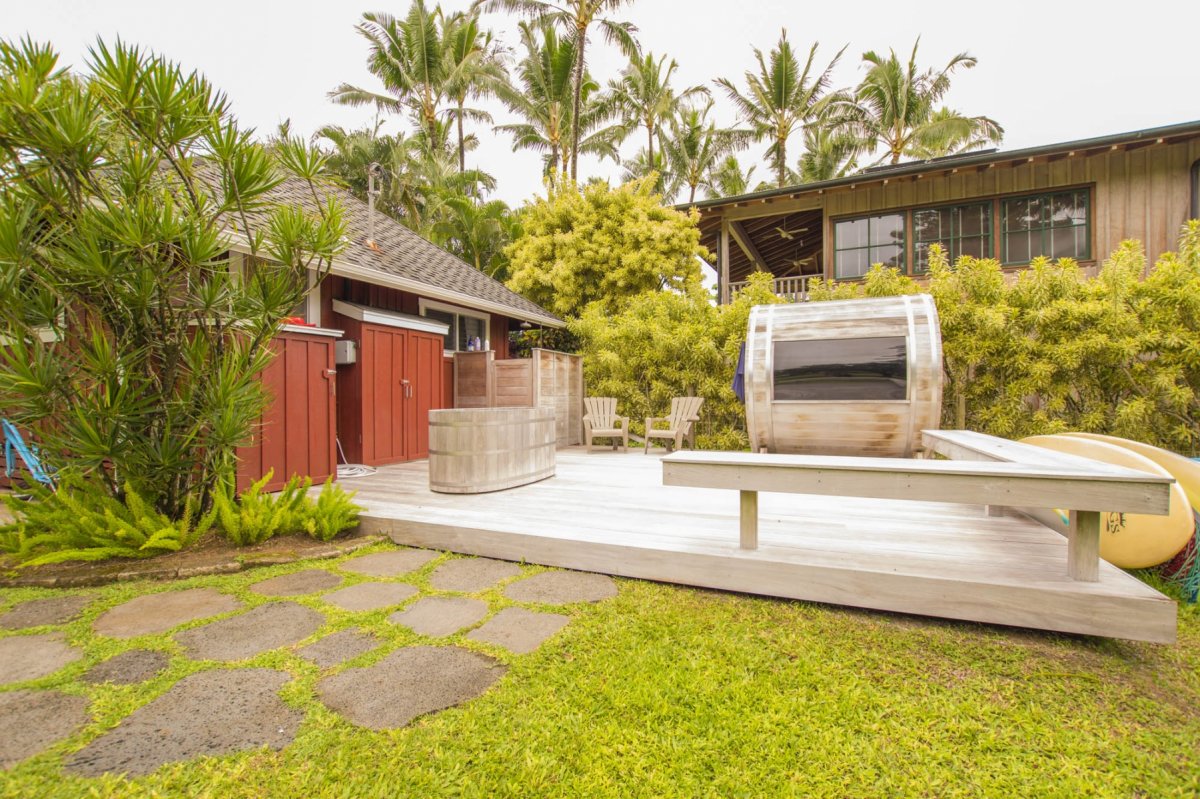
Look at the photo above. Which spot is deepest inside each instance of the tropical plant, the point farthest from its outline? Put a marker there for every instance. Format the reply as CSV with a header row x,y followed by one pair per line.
x,y
662,181
828,154
781,98
477,232
576,18
695,148
543,97
645,98
895,109
408,56
133,350
332,512
728,179
82,520
474,69
255,516
603,245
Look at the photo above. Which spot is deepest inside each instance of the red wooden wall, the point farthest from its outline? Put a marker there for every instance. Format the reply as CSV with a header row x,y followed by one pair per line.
x,y
296,434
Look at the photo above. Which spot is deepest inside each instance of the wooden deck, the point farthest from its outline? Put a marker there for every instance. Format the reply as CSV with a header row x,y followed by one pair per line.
x,y
609,512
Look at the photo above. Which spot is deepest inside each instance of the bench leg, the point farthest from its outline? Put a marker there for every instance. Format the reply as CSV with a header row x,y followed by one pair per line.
x,y
1083,546
749,516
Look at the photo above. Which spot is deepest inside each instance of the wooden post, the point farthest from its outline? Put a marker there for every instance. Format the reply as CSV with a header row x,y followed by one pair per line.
x,y
723,264
1083,546
749,514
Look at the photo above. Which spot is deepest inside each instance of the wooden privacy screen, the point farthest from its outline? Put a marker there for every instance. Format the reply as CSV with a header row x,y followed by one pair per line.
x,y
547,379
296,432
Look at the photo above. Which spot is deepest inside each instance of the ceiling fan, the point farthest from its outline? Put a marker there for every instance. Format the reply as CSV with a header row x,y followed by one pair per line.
x,y
784,233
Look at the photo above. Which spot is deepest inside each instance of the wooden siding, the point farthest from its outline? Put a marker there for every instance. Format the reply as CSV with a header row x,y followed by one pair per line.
x,y
1141,193
296,433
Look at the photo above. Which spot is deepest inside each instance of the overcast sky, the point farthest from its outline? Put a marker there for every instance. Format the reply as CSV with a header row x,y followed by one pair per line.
x,y
1048,71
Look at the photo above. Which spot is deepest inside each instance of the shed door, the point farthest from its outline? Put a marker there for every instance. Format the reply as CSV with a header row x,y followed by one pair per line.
x,y
383,353
425,374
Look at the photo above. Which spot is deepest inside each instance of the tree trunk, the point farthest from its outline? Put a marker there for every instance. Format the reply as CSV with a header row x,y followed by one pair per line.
x,y
462,150
577,100
650,144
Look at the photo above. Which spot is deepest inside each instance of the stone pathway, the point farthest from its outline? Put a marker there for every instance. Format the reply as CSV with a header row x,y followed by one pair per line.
x,y
157,613
211,713
225,710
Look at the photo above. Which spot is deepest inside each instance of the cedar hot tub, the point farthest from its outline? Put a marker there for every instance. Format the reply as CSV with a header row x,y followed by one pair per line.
x,y
476,450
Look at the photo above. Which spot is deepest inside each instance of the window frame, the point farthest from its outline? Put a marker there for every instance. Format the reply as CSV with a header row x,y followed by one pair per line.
x,y
906,222
424,304
990,235
1001,220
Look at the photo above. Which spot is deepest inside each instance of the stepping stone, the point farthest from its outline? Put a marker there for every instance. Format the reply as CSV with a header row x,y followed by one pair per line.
x,y
472,574
436,616
211,713
266,627
33,720
156,613
28,657
128,668
518,630
37,612
308,581
392,563
409,682
370,596
562,588
338,648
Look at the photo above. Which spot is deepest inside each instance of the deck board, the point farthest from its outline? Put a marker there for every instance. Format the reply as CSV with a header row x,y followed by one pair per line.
x,y
609,512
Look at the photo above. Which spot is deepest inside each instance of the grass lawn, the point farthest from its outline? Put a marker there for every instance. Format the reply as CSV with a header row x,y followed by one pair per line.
x,y
668,691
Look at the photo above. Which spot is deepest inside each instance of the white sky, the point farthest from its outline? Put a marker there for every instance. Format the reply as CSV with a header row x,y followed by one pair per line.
x,y
1048,71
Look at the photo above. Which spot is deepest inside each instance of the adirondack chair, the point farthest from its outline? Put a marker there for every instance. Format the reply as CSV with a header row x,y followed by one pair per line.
x,y
681,423
601,421
14,443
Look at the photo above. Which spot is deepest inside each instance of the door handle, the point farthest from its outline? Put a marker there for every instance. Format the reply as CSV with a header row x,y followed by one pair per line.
x,y
407,387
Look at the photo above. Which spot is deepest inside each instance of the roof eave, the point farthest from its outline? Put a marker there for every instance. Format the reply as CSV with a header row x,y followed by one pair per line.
x,y
966,159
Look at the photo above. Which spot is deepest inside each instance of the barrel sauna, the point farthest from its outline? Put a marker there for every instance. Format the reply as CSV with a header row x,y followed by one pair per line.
x,y
846,377
475,450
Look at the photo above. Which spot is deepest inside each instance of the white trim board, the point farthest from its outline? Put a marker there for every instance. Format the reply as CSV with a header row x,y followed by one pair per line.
x,y
377,316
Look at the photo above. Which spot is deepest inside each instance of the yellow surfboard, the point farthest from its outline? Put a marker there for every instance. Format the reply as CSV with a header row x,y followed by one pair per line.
x,y
1185,470
1130,540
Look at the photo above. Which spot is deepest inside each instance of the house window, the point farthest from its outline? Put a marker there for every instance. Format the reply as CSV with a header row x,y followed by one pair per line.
x,y
465,326
860,243
960,229
1054,225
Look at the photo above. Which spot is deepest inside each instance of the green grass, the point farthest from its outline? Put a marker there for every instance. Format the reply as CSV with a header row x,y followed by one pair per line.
x,y
668,691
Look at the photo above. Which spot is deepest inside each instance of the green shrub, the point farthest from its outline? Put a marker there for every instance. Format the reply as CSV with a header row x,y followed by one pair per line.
x,y
331,513
83,521
256,516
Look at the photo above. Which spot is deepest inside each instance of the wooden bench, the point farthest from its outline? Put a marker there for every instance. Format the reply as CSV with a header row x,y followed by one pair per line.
x,y
1084,486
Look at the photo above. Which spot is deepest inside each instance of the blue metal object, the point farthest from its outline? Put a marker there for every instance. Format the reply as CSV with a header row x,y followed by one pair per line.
x,y
33,464
739,375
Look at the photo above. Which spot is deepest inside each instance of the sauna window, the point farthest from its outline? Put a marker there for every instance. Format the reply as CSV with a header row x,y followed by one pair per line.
x,y
960,230
823,370
465,327
861,243
1054,225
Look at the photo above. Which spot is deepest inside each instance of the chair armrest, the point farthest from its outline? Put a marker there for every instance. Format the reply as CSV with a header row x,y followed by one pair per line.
x,y
650,420
624,422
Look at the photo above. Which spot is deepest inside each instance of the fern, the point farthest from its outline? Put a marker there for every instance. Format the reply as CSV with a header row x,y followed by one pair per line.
x,y
331,513
82,521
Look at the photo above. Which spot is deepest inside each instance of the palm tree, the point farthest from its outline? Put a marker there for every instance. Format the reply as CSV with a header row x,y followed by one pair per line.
x,y
641,167
828,154
781,97
645,97
474,68
576,18
543,96
694,147
728,179
476,232
408,57
895,108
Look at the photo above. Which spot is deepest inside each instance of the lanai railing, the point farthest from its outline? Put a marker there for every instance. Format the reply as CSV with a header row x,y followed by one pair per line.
x,y
792,289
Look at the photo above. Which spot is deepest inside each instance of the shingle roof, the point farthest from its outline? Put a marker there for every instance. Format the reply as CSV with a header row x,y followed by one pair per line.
x,y
405,258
